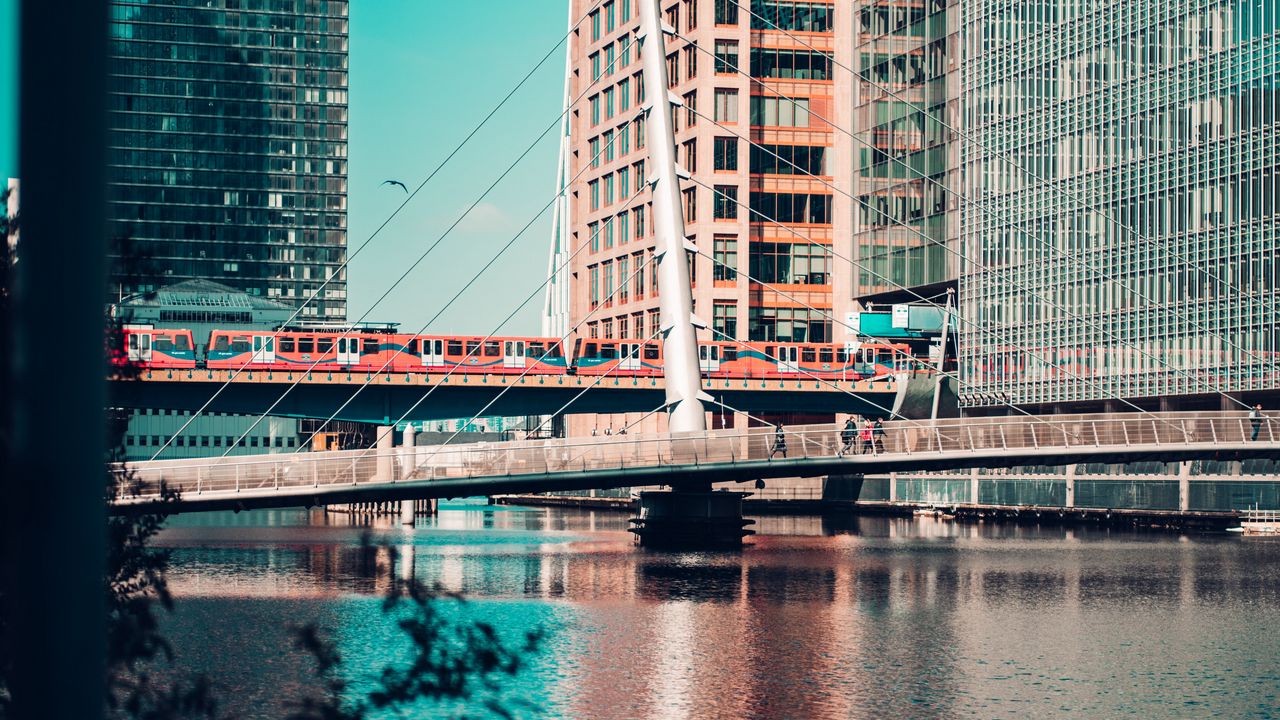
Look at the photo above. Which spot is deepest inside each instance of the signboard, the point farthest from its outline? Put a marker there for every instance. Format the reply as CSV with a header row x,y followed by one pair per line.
x,y
901,313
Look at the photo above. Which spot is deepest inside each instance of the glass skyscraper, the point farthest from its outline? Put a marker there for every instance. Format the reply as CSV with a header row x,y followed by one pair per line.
x,y
228,147
1138,256
905,159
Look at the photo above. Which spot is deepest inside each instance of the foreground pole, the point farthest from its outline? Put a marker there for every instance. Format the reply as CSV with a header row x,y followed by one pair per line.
x,y
680,367
54,514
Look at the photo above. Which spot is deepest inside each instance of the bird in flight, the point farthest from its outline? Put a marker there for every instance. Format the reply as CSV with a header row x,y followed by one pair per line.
x,y
396,182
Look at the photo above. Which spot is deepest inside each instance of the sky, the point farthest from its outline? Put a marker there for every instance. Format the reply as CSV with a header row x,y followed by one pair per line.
x,y
420,81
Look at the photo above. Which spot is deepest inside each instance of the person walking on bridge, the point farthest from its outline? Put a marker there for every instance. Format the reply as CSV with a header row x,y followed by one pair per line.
x,y
779,442
1255,419
865,436
877,435
847,436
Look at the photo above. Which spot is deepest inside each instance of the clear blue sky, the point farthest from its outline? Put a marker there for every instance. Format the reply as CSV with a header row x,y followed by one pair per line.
x,y
420,81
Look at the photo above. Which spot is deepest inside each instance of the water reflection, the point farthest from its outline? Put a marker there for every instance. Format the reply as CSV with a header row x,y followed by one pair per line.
x,y
818,617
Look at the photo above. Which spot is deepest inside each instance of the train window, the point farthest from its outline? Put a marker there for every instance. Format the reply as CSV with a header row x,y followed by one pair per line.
x,y
536,350
324,345
808,354
609,351
491,348
306,345
370,346
473,348
590,351
824,355
729,354
650,352
286,344
240,343
455,347
182,342
842,357
219,342
554,350
162,342
412,347
771,351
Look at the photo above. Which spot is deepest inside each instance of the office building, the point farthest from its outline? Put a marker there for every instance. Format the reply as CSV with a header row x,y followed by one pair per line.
x,y
228,148
1133,255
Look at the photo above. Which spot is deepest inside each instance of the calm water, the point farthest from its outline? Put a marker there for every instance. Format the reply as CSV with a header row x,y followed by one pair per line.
x,y
818,617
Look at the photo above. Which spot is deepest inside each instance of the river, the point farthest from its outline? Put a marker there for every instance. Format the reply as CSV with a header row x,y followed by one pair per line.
x,y
818,617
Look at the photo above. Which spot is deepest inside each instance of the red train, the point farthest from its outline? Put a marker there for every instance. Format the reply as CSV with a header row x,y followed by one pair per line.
x,y
369,351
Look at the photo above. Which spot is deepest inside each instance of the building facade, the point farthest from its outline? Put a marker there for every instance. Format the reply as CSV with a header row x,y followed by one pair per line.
x,y
905,79
1134,252
228,149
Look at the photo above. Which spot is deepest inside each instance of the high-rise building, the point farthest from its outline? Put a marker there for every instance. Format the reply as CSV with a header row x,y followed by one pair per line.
x,y
1134,254
228,150
905,94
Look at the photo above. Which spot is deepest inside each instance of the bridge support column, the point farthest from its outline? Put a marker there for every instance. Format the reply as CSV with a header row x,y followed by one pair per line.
x,y
386,438
680,519
893,487
407,511
973,486
1184,486
1071,486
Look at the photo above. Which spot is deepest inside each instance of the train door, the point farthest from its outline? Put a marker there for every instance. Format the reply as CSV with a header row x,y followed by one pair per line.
x,y
788,358
432,352
709,358
348,351
513,354
630,354
264,349
139,347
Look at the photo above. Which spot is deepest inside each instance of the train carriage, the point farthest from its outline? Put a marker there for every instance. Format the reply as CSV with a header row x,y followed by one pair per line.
x,y
155,348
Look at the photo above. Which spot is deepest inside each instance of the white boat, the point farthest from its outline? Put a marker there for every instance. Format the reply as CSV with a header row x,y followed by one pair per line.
x,y
1258,522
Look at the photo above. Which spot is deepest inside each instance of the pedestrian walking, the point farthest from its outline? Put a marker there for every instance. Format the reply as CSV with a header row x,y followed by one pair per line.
x,y
1255,419
877,435
847,436
866,437
779,442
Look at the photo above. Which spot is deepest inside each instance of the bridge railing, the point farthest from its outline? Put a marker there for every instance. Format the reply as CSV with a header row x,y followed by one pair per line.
x,y
295,472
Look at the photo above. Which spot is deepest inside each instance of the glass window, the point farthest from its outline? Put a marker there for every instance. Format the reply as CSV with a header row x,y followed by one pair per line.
x,y
726,153
726,12
726,202
726,109
726,56
726,257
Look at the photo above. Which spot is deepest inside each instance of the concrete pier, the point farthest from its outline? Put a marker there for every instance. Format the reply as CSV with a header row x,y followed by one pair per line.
x,y
682,520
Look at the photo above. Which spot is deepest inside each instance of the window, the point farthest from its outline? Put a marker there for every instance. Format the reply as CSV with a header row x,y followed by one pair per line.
x,y
624,51
690,61
726,202
638,216
594,146
624,10
608,233
691,155
624,94
453,347
324,345
623,139
690,205
793,207
726,12
726,153
725,320
306,345
654,323
624,226
691,109
286,344
639,125
594,273
653,276
788,325
691,14
608,103
594,230
790,263
492,348
638,82
624,328
726,57
623,275
608,189
610,20
595,109
608,285
624,187
595,66
637,283
726,105
595,26
725,252
794,16
790,64
593,191
608,146
370,346
639,170
779,112
789,159
673,69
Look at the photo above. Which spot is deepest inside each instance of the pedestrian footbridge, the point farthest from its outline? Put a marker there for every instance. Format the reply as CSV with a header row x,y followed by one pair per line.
x,y
391,474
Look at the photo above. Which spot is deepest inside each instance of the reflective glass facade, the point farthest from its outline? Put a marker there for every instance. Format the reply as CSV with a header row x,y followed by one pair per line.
x,y
904,96
1148,236
228,147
